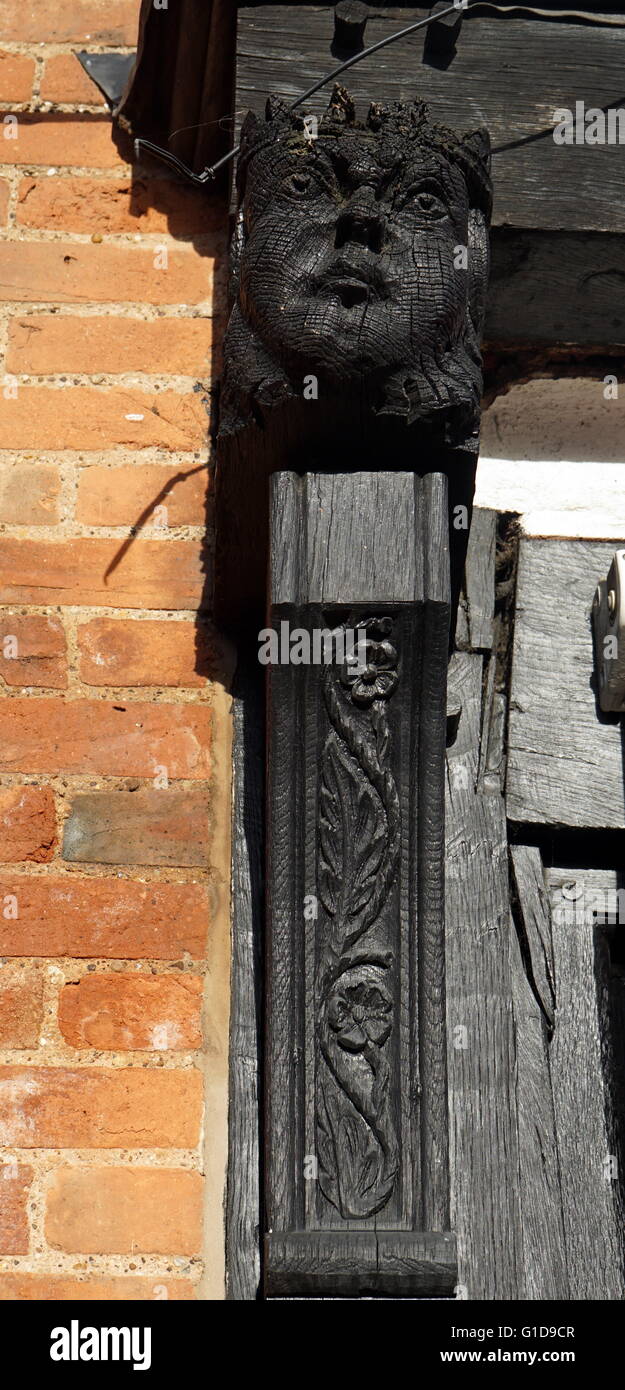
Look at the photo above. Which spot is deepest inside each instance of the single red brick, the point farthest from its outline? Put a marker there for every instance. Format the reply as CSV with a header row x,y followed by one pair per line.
x,y
15,1180
79,203
43,343
111,573
152,493
157,1211
132,1012
65,1288
112,22
65,80
70,736
29,494
95,1108
33,651
76,272
85,417
165,826
16,77
71,140
21,1009
27,825
105,918
125,651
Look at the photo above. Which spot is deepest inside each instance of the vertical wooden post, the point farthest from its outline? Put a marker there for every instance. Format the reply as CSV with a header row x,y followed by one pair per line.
x,y
348,443
357,1141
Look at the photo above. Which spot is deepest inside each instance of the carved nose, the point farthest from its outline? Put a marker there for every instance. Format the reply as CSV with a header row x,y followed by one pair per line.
x,y
362,224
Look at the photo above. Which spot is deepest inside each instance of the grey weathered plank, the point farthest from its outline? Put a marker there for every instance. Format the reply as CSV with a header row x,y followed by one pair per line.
x,y
480,578
483,1120
536,922
542,1226
343,553
474,625
565,760
243,1198
543,1242
582,1068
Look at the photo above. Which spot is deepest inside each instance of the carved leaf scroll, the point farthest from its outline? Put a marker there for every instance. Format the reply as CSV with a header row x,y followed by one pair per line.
x,y
358,827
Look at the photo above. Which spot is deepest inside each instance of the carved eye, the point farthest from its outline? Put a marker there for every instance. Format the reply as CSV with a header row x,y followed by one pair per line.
x,y
426,200
300,184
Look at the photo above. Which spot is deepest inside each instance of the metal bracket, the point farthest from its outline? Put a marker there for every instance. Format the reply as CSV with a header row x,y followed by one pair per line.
x,y
608,617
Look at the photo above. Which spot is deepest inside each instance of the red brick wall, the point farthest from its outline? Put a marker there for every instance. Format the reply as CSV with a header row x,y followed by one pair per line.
x,y
113,713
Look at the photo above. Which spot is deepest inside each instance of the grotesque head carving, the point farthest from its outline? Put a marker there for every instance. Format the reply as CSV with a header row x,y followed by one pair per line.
x,y
362,257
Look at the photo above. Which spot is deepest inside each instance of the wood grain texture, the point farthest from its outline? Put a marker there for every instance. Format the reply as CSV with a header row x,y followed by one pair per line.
x,y
357,1093
501,77
535,924
484,1141
545,1273
583,1066
243,1200
565,760
479,585
358,1264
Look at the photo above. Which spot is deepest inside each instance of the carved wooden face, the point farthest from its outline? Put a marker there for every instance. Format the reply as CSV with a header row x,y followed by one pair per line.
x,y
353,258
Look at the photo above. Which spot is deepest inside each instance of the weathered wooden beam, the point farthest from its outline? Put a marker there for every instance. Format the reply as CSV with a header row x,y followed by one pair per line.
x,y
565,759
484,1126
584,1069
353,341
358,1173
545,1269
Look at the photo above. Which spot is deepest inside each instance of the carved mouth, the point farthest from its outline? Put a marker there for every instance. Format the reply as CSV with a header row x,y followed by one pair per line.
x,y
352,284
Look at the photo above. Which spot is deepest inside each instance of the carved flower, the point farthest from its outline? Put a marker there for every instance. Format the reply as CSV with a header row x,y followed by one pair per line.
x,y
360,1014
372,674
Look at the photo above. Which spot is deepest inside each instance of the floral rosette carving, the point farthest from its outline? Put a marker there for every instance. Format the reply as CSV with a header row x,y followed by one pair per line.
x,y
358,848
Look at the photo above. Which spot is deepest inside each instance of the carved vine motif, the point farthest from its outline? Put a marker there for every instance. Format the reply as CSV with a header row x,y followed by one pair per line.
x,y
358,836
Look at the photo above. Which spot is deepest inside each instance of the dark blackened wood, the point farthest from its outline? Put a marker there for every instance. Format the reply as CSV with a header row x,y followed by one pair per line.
x,y
243,1204
442,33
358,1264
558,250
553,287
484,1141
356,1090
582,1071
181,93
565,759
354,335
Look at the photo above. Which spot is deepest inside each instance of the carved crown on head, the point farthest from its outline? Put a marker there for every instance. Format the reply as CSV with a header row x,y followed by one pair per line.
x,y
402,121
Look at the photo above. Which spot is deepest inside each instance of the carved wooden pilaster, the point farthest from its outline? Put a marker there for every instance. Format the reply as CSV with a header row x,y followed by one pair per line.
x,y
357,1159
348,444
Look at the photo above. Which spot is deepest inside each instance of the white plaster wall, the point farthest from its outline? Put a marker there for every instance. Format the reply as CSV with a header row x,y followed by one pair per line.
x,y
554,451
